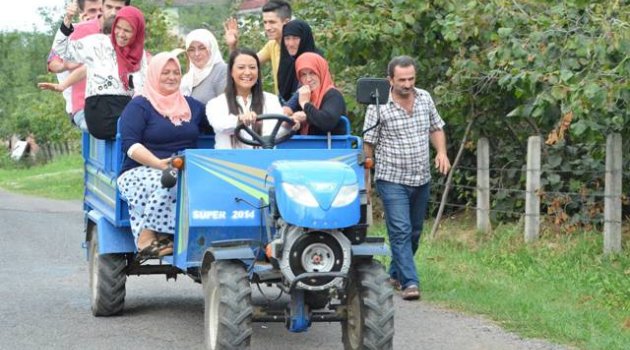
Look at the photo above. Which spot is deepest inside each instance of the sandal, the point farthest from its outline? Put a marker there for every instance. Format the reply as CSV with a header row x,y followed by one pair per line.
x,y
165,247
150,251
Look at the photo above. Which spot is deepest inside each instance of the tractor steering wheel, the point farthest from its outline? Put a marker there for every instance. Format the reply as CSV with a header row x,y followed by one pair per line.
x,y
268,141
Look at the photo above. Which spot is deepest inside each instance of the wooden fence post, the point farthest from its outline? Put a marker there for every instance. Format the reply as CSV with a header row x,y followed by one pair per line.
x,y
483,185
47,152
612,199
532,201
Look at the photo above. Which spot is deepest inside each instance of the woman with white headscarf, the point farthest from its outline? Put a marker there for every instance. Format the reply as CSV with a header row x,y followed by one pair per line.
x,y
207,75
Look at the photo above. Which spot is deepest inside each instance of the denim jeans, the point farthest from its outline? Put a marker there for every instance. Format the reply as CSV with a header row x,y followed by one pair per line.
x,y
405,208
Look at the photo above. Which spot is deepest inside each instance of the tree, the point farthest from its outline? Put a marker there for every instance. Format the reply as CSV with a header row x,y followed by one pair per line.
x,y
516,67
209,16
25,109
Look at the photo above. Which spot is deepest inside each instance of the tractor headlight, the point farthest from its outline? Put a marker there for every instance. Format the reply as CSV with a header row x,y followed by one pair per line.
x,y
300,194
347,194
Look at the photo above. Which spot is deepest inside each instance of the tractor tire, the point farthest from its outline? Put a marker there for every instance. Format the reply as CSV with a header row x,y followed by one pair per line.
x,y
107,279
370,309
228,307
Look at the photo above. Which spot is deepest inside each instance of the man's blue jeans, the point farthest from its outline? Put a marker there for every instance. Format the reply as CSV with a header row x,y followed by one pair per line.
x,y
405,208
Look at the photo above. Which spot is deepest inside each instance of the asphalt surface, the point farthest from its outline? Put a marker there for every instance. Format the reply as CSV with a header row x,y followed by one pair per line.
x,y
44,300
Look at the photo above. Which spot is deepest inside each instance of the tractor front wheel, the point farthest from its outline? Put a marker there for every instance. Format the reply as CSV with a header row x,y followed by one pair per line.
x,y
370,309
227,307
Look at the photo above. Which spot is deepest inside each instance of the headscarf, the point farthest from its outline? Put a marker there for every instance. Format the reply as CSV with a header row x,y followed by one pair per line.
x,y
287,80
196,75
129,57
317,64
173,106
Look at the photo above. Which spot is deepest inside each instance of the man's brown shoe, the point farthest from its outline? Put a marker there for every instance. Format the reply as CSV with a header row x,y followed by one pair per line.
x,y
411,293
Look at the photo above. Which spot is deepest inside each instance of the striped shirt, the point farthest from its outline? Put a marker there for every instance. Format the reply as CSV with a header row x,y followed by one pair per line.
x,y
402,141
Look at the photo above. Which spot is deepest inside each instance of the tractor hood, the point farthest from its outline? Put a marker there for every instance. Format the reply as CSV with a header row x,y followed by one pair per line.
x,y
316,194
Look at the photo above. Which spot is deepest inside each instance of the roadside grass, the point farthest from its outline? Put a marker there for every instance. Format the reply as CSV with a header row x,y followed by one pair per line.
x,y
561,288
61,178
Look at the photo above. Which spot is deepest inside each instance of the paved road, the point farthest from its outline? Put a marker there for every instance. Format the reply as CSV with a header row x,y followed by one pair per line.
x,y
44,301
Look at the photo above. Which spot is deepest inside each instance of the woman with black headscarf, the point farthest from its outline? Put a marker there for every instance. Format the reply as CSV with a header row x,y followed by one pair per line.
x,y
297,38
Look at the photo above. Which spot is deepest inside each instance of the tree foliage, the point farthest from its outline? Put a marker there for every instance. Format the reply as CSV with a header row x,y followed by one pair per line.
x,y
24,109
518,68
209,16
159,34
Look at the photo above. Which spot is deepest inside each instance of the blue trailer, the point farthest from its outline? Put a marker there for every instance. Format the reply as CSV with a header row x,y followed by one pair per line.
x,y
292,217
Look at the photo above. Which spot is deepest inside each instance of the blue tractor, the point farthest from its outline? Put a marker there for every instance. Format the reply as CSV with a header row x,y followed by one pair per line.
x,y
290,217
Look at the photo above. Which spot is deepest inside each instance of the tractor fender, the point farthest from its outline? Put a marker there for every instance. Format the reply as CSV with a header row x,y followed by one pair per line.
x,y
111,239
241,251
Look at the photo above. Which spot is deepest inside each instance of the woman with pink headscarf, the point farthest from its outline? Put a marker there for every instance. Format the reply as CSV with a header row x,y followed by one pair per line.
x,y
153,127
116,65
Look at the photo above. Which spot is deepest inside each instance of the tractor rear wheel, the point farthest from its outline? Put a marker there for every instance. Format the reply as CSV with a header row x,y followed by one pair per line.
x,y
227,307
370,309
107,279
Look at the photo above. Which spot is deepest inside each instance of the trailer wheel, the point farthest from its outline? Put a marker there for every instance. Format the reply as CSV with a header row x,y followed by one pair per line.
x,y
227,307
370,309
107,279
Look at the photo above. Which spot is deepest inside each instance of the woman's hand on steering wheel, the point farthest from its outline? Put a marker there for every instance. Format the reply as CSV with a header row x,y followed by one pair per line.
x,y
248,118
298,117
296,126
266,141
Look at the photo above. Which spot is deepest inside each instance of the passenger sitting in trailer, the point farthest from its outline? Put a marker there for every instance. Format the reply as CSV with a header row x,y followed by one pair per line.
x,y
112,78
322,105
153,127
207,72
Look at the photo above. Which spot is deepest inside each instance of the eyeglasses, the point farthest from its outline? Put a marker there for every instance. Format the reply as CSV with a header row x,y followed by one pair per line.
x,y
192,50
